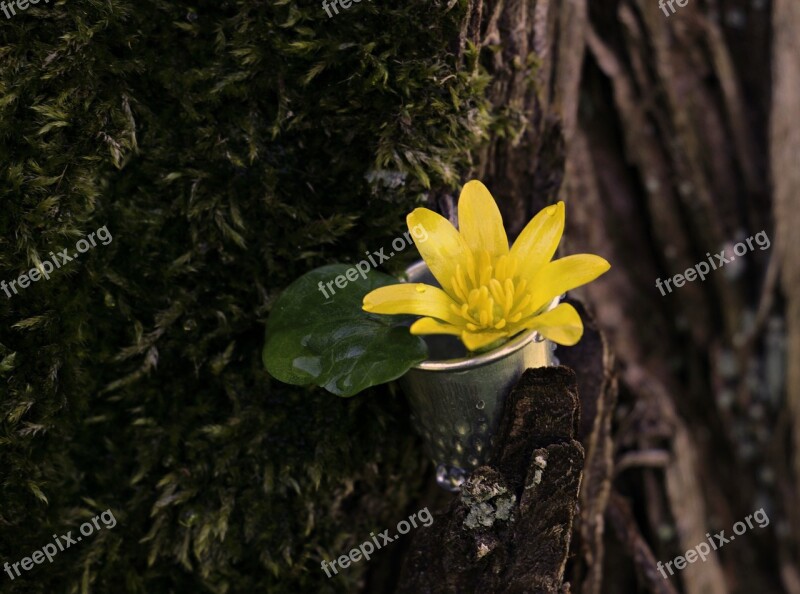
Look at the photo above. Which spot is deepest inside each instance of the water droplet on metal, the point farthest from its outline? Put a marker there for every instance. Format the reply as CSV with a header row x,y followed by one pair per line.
x,y
457,445
538,338
450,477
480,405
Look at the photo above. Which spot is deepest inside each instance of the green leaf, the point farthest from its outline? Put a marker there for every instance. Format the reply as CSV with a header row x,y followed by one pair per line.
x,y
330,341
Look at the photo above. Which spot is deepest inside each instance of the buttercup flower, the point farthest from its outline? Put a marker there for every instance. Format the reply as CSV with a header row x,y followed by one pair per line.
x,y
490,292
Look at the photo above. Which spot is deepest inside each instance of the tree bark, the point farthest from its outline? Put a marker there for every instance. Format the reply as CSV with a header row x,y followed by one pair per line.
x,y
510,528
785,151
670,142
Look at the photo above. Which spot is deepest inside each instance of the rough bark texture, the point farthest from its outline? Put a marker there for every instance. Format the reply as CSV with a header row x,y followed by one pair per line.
x,y
509,529
785,150
671,138
701,379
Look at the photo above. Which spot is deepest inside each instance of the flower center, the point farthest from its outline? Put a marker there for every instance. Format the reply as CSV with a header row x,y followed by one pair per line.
x,y
491,296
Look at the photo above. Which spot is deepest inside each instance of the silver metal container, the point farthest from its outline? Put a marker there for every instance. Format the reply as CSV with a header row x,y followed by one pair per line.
x,y
457,400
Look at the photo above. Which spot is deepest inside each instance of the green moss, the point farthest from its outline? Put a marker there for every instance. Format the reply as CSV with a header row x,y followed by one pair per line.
x,y
228,147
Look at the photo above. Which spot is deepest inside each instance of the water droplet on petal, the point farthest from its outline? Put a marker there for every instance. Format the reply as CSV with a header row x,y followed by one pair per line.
x,y
421,288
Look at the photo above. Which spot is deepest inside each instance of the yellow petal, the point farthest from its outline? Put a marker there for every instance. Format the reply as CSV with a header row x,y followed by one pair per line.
x,y
539,239
560,276
411,298
442,247
431,326
475,340
480,221
562,324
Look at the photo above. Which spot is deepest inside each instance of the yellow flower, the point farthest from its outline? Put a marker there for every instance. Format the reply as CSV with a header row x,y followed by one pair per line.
x,y
490,292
